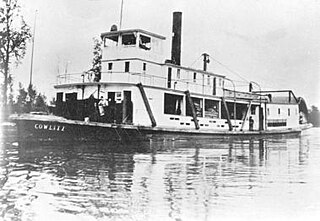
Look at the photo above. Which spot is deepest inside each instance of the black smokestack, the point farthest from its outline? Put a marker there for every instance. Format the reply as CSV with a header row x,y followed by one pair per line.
x,y
176,38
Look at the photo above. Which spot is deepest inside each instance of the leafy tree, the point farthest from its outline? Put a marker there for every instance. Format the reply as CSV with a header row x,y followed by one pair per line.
x,y
10,82
32,94
314,116
96,60
29,100
40,103
20,105
14,35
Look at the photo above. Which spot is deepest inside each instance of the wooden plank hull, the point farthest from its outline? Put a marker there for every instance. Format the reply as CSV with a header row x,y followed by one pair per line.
x,y
55,128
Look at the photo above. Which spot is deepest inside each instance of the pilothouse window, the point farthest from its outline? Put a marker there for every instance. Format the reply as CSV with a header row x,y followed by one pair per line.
x,y
129,39
145,42
111,41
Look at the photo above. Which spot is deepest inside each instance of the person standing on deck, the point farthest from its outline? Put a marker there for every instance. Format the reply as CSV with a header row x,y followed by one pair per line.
x,y
101,105
251,122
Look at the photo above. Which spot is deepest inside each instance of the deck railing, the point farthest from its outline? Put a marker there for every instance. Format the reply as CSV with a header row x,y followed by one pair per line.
x,y
194,86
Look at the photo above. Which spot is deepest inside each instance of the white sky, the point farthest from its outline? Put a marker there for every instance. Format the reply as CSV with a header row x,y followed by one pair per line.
x,y
275,43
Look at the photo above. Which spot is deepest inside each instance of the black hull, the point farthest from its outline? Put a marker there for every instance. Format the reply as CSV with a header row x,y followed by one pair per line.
x,y
33,129
36,130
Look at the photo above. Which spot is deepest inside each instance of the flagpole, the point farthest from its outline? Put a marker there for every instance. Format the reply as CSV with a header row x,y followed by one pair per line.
x,y
121,15
34,33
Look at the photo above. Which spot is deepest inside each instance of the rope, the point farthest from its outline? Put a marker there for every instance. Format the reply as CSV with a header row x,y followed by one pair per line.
x,y
195,61
229,69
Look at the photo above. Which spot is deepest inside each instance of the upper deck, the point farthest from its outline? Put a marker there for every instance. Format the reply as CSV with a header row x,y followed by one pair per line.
x,y
136,56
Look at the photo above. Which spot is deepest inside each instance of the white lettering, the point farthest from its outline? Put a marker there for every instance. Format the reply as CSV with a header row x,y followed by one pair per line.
x,y
49,127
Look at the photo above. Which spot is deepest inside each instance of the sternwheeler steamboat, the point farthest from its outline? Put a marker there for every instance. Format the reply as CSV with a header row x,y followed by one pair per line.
x,y
140,94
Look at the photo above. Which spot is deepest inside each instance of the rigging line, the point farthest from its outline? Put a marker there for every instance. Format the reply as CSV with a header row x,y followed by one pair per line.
x,y
229,69
195,61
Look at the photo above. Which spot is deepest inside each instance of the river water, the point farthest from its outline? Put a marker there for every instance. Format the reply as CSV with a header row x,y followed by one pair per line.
x,y
275,178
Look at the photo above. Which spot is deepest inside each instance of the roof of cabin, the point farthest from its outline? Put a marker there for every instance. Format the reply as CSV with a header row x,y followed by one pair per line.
x,y
129,31
283,100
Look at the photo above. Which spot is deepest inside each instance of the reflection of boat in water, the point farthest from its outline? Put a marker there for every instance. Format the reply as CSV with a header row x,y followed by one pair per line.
x,y
111,180
141,94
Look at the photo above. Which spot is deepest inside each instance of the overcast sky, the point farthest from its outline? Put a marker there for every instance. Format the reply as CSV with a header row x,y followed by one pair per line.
x,y
275,43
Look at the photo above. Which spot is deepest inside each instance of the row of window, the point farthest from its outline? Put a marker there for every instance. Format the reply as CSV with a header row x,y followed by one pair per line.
x,y
126,66
195,77
205,107
277,123
279,111
173,105
178,76
129,40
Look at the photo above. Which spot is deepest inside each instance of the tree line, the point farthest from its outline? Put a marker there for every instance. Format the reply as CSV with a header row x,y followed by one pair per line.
x,y
28,100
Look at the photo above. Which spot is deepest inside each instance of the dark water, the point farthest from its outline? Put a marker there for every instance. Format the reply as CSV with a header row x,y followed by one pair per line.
x,y
273,178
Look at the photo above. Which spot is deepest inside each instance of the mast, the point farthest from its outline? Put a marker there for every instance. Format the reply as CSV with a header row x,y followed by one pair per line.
x,y
120,25
34,33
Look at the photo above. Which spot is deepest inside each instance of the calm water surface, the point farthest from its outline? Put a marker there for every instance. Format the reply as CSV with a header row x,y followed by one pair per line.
x,y
274,178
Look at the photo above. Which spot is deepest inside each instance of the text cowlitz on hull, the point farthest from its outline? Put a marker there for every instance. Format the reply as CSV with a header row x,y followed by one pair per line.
x,y
39,126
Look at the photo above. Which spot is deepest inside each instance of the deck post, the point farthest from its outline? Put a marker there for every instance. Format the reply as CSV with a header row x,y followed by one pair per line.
x,y
228,114
147,105
99,86
261,118
193,110
245,115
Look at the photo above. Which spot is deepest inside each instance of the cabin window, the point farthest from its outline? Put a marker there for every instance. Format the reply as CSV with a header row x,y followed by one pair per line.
x,y
208,80
211,108
169,77
60,97
288,111
232,107
127,66
172,104
145,42
129,39
71,96
110,66
178,73
220,82
198,105
144,66
194,77
241,111
279,111
268,111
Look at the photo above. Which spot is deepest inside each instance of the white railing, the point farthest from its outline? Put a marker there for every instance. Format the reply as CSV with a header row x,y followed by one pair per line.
x,y
140,77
